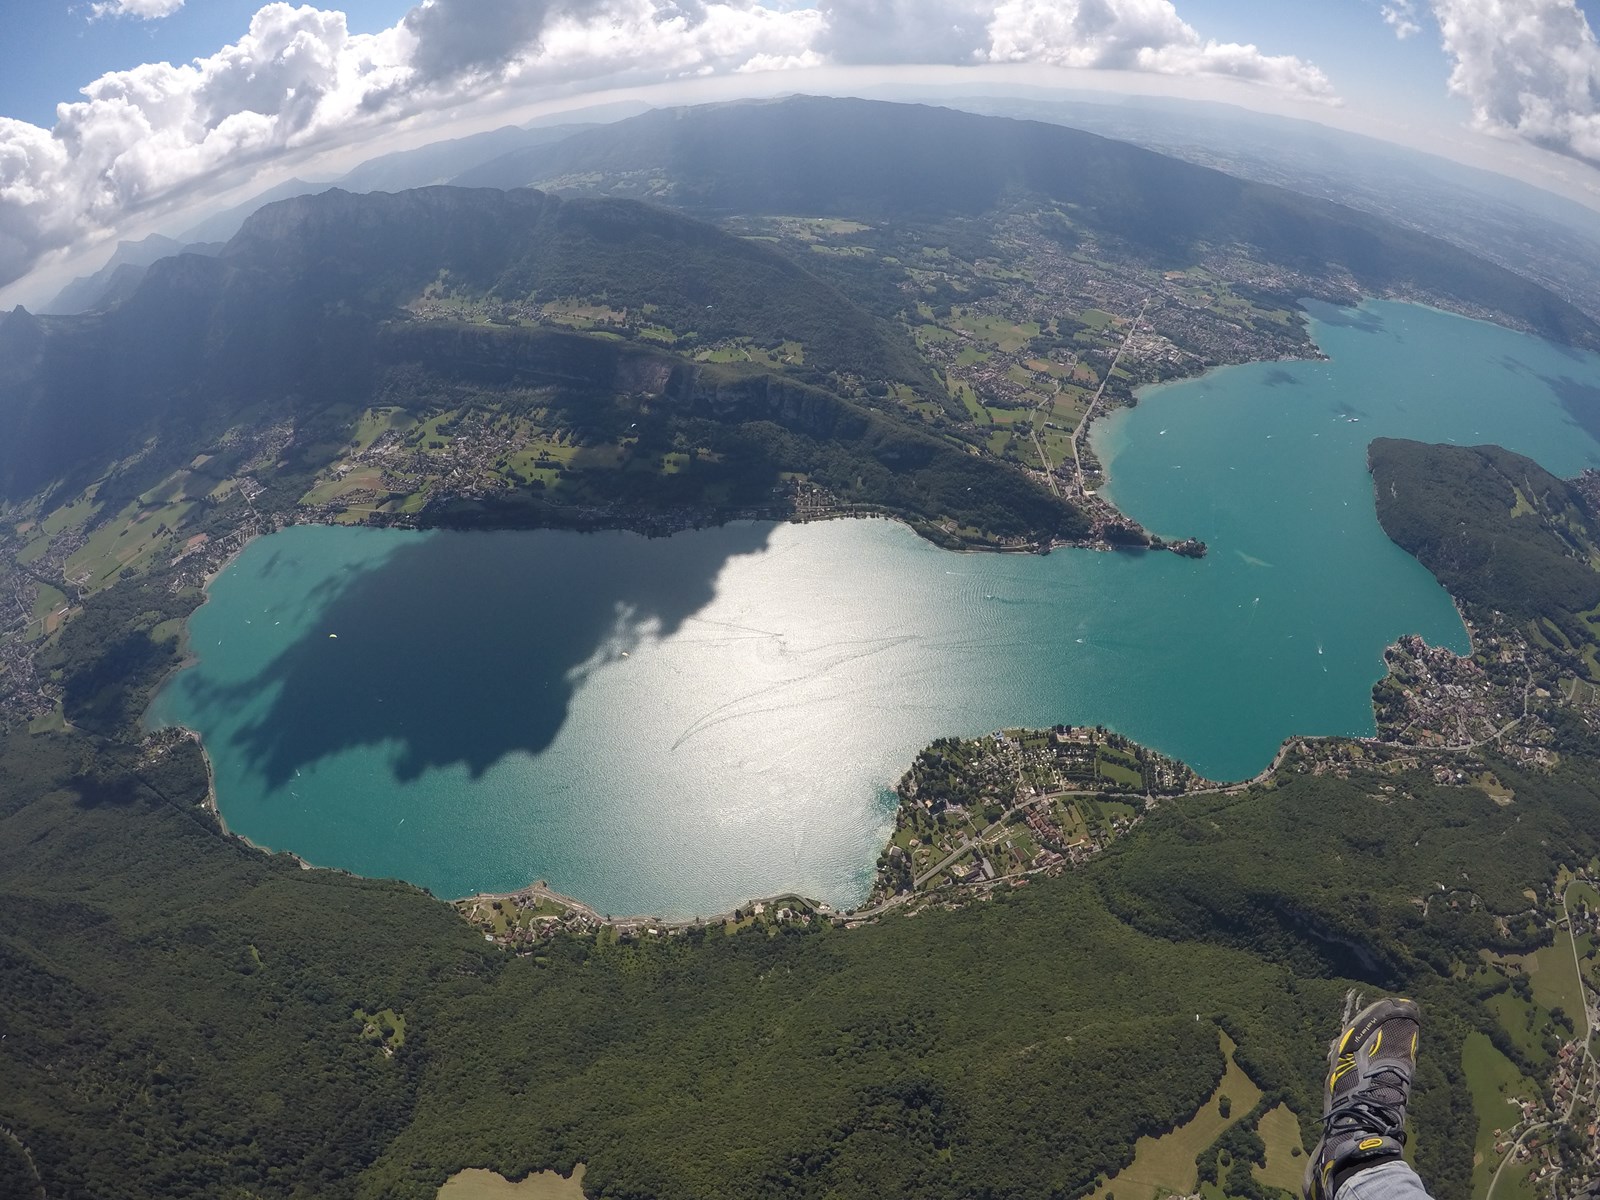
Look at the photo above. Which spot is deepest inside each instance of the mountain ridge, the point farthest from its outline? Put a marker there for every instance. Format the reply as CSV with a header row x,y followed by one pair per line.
x,y
863,159
289,322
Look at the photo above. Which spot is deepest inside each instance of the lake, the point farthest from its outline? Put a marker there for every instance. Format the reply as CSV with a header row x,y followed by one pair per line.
x,y
673,726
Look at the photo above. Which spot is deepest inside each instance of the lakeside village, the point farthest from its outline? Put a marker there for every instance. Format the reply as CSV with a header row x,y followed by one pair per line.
x,y
1031,379
978,814
1550,1133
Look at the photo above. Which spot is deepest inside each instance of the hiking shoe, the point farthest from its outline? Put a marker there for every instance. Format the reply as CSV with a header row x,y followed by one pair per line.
x,y
1370,1065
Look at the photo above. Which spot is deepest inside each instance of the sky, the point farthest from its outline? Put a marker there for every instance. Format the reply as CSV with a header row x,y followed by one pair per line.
x,y
117,114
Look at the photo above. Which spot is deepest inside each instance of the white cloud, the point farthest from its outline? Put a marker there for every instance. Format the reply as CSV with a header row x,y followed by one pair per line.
x,y
1529,68
1401,16
1135,35
1114,35
145,10
905,31
640,40
299,80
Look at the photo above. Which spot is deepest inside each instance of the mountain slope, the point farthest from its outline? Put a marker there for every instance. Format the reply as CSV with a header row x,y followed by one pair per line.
x,y
324,304
437,162
381,250
1541,236
121,274
1494,527
873,161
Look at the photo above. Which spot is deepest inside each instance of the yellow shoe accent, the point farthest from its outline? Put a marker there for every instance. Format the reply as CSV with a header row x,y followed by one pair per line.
x,y
1376,1042
1346,1064
1369,1143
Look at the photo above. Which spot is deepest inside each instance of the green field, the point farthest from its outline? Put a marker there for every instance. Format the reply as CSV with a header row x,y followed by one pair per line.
x,y
376,422
360,479
486,1185
1555,984
1583,893
385,1027
1280,1130
130,539
69,516
1118,768
34,549
1514,1015
1167,1164
48,601
1514,1184
1010,336
1494,1080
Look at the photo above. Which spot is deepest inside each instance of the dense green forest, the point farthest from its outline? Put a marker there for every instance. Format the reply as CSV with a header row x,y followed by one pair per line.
x,y
1497,529
181,1010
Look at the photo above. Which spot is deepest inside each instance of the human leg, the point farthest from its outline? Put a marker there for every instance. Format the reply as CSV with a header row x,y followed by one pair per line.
x,y
1392,1180
1370,1066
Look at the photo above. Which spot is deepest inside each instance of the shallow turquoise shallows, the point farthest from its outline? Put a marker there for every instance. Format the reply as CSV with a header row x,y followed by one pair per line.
x,y
672,726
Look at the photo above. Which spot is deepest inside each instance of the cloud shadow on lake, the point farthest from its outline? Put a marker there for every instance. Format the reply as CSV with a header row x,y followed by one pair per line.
x,y
462,648
1362,319
1580,399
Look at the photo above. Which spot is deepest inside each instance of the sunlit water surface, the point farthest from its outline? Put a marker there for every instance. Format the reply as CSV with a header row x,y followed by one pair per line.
x,y
675,725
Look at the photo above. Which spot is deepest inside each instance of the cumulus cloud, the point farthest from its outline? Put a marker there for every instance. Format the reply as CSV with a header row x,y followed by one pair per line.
x,y
299,79
463,37
1529,68
1113,35
1401,16
1135,35
905,31
639,40
146,10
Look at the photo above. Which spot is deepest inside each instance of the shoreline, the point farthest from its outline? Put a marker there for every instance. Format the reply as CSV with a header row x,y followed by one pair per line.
x,y
540,892
189,658
538,888
871,906
210,805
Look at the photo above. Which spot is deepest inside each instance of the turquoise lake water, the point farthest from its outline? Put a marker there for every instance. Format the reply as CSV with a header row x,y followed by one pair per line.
x,y
675,725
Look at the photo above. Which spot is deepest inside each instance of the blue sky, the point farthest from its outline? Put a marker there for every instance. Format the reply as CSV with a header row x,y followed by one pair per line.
x,y
252,92
54,47
1346,38
62,47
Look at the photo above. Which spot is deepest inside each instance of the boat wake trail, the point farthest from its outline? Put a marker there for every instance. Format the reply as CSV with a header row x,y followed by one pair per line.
x,y
827,661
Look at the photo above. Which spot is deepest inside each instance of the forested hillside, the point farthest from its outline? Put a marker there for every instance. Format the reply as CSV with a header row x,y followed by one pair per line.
x,y
1497,529
187,1017
325,306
